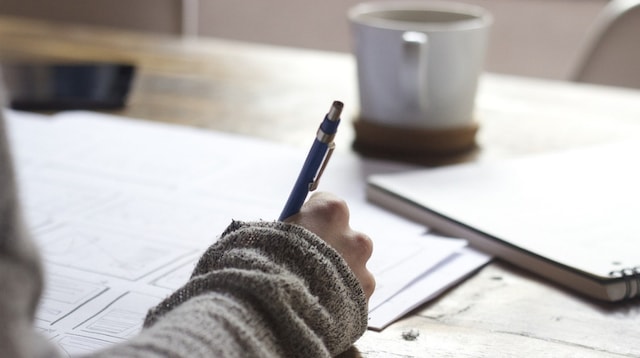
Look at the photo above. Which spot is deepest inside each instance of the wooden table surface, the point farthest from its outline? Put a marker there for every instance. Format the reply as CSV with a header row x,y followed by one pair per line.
x,y
277,93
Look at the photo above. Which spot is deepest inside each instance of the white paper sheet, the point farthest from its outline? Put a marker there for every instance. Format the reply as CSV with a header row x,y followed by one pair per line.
x,y
122,209
429,285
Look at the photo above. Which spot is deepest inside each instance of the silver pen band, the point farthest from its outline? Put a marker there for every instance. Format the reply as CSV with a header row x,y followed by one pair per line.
x,y
324,137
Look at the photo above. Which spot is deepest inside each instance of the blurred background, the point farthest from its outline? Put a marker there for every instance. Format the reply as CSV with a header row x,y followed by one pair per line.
x,y
536,38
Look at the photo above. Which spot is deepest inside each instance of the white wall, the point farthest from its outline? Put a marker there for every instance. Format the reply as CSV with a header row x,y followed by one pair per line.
x,y
530,37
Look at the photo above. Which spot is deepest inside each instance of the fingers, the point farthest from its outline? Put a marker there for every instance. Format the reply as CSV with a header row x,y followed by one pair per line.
x,y
327,216
357,250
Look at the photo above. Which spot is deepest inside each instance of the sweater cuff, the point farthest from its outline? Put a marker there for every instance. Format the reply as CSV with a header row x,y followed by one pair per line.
x,y
293,278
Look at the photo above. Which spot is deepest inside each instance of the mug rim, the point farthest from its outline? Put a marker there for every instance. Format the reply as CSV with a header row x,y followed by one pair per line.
x,y
361,14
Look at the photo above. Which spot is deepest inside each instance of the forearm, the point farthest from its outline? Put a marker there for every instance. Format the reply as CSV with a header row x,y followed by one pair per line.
x,y
265,289
20,271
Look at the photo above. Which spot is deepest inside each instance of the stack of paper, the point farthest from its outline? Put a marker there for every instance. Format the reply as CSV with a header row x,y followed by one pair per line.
x,y
122,209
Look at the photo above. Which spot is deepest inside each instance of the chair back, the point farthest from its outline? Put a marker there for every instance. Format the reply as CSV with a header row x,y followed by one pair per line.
x,y
611,53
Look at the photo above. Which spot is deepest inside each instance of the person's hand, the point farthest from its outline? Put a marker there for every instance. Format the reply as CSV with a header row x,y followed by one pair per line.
x,y
327,216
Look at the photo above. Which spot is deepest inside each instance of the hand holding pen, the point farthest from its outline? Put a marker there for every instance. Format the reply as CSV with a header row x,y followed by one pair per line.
x,y
315,163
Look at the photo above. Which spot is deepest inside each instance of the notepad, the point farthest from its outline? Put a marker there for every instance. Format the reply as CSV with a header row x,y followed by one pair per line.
x,y
572,217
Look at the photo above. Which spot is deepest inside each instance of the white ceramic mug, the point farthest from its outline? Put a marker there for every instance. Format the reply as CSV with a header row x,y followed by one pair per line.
x,y
419,62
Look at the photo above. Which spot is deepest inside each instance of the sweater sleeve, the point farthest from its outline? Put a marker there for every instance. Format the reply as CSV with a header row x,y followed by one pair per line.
x,y
267,289
20,270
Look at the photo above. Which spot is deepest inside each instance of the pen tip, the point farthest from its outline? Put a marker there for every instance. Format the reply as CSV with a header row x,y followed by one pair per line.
x,y
335,110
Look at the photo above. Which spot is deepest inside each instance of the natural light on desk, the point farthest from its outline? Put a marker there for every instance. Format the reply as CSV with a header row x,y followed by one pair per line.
x,y
122,210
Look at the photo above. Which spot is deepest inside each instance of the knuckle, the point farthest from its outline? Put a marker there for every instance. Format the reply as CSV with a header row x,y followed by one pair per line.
x,y
369,285
335,209
363,244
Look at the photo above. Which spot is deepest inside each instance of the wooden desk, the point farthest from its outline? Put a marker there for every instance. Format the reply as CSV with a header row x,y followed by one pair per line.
x,y
277,93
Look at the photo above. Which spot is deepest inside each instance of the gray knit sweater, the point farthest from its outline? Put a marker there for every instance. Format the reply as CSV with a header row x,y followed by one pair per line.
x,y
264,289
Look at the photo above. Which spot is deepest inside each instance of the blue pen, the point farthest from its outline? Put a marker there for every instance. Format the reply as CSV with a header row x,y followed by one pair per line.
x,y
316,161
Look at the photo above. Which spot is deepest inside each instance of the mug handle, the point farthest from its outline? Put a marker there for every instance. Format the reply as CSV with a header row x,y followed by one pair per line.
x,y
414,70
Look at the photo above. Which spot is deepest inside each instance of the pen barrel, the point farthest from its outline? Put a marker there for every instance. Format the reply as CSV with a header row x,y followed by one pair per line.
x,y
315,162
305,179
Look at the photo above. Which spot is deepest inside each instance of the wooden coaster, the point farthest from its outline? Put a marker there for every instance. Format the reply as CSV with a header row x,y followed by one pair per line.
x,y
417,145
